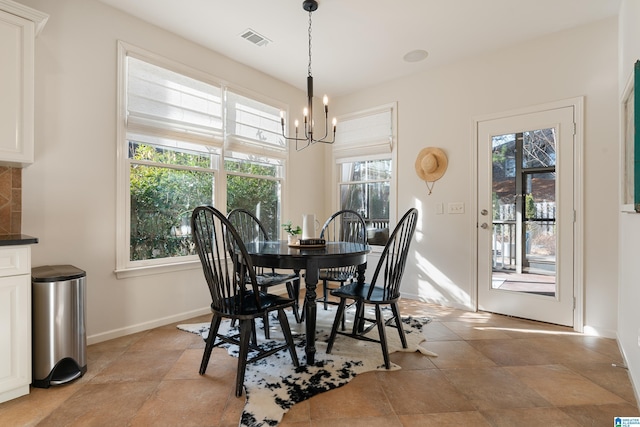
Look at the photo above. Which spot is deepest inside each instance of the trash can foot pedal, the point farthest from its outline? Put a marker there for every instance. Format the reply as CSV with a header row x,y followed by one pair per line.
x,y
66,370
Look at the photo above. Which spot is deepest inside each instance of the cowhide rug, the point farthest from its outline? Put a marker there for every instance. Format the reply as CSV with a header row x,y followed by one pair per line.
x,y
273,385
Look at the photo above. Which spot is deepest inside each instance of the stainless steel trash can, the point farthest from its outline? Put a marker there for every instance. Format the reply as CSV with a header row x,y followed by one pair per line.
x,y
58,315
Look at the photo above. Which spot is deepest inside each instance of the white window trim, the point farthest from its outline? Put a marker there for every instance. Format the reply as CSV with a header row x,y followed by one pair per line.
x,y
124,269
358,152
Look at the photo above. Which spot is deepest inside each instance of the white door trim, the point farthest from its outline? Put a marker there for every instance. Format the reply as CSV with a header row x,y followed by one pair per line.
x,y
578,239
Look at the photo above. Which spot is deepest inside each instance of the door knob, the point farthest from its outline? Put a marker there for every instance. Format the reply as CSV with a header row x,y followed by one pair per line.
x,y
484,212
484,226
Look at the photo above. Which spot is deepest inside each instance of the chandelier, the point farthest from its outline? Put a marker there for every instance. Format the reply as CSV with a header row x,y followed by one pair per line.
x,y
303,141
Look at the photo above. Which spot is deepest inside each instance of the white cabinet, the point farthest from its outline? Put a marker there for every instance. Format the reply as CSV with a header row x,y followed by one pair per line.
x,y
19,26
15,321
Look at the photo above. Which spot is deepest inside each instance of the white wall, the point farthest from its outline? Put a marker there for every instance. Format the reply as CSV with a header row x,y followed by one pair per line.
x,y
629,291
437,108
68,199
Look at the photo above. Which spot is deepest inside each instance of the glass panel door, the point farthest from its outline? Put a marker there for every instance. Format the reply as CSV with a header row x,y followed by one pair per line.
x,y
524,228
525,215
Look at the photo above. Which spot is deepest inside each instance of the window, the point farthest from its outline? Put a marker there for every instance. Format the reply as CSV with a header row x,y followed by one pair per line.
x,y
166,183
365,188
254,159
186,141
365,159
256,186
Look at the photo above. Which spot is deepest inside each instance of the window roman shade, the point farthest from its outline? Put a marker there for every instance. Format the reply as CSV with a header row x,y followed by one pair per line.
x,y
369,132
160,98
253,125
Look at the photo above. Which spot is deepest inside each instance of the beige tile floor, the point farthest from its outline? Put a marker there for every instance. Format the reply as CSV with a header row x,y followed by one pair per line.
x,y
491,371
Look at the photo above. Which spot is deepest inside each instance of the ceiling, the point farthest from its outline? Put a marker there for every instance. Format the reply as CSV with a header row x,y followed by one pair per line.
x,y
361,43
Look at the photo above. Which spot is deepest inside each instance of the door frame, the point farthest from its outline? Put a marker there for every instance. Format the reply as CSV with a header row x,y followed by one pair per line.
x,y
578,162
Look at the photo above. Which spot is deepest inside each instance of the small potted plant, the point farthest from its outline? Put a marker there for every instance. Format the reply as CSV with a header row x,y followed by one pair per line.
x,y
293,233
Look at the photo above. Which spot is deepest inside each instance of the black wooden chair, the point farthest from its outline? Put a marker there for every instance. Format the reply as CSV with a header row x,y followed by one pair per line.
x,y
233,296
251,229
343,226
384,289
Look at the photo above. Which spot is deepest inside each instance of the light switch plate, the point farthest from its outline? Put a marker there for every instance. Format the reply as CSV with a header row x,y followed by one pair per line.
x,y
455,208
439,208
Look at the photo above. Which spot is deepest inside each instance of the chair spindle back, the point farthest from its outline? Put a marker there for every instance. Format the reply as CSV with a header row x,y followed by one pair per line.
x,y
345,226
216,241
248,226
392,262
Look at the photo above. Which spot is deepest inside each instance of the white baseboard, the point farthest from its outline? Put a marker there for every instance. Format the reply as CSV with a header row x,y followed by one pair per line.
x,y
599,332
128,330
626,366
443,303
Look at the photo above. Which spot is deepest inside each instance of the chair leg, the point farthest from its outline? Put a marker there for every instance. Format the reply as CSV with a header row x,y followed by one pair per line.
x,y
265,323
296,286
293,290
383,337
213,332
396,313
304,300
245,333
325,293
336,322
358,321
286,330
254,335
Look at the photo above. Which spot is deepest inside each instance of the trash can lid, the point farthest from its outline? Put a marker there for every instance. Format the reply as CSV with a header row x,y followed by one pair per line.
x,y
56,273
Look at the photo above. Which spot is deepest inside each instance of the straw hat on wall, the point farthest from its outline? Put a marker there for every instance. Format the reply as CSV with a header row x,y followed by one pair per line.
x,y
431,164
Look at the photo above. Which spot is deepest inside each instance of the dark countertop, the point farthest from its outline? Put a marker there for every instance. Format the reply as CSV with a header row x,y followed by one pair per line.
x,y
17,239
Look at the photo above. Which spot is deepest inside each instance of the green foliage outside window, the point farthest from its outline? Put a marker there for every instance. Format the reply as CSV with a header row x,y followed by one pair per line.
x,y
529,206
258,195
162,199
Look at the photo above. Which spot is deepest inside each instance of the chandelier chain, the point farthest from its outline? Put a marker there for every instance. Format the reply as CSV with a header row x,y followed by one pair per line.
x,y
309,70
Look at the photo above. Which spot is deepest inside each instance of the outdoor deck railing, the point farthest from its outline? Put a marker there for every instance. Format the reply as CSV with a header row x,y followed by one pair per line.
x,y
504,240
377,231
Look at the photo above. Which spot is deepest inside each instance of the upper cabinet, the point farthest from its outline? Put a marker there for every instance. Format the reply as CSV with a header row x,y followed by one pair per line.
x,y
19,26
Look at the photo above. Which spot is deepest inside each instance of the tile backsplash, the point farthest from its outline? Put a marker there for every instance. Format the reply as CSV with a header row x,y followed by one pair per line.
x,y
10,200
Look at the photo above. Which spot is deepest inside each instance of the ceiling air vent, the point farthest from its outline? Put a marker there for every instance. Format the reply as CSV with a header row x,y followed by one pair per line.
x,y
254,37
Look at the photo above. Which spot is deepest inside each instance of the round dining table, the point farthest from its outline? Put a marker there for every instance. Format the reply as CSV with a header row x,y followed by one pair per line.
x,y
279,254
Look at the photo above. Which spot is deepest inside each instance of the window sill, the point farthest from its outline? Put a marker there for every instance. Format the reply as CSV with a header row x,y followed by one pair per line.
x,y
376,249
148,270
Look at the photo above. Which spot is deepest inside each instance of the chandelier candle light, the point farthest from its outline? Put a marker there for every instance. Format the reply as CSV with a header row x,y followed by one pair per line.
x,y
310,6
